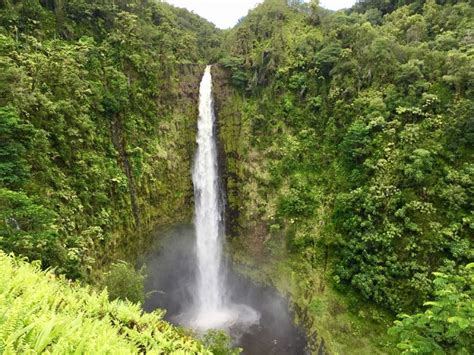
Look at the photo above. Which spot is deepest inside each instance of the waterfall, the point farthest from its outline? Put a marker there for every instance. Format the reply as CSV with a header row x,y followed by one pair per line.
x,y
210,294
212,308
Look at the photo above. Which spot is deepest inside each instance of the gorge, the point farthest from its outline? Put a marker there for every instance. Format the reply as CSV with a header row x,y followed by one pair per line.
x,y
212,306
203,294
312,191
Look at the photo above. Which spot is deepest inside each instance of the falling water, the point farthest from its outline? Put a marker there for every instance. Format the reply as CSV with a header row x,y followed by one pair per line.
x,y
210,295
212,308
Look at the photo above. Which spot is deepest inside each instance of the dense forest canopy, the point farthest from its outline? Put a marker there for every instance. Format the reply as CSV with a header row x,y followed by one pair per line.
x,y
348,139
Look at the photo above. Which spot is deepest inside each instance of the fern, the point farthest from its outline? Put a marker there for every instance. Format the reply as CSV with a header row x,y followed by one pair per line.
x,y
41,313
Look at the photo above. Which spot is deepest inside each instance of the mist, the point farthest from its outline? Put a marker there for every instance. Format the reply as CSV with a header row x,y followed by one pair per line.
x,y
170,283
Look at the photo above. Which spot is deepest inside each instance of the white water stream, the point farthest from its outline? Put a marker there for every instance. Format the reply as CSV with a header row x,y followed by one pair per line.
x,y
212,306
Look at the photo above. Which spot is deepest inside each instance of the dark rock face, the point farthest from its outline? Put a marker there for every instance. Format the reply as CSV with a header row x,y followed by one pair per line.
x,y
222,91
232,155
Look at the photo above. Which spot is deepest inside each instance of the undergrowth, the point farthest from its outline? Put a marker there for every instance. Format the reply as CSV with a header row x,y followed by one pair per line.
x,y
40,312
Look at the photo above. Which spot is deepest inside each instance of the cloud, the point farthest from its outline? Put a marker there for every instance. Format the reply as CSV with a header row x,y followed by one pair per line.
x,y
337,4
223,13
226,13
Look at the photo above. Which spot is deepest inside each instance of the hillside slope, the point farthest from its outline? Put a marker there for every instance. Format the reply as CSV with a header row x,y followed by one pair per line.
x,y
43,313
349,145
98,102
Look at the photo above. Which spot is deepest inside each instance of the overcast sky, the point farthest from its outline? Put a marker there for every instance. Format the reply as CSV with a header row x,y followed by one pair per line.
x,y
226,13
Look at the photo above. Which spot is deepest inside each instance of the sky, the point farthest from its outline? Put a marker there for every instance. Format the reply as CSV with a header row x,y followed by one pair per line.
x,y
226,13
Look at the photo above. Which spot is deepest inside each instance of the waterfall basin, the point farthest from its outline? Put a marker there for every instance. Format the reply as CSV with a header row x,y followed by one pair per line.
x,y
258,319
226,318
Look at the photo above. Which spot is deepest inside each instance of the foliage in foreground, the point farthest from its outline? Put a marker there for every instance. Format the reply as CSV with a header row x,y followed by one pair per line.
x,y
41,313
447,326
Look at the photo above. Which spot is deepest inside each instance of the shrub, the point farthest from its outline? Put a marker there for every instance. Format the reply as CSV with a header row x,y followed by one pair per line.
x,y
446,327
124,282
219,343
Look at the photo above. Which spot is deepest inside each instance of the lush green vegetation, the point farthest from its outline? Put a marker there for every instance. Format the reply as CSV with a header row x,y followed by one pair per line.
x,y
43,313
219,343
446,326
349,153
122,281
97,100
353,148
